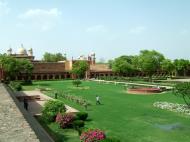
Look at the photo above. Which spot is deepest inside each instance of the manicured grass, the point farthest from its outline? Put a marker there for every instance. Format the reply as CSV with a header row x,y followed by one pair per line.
x,y
130,118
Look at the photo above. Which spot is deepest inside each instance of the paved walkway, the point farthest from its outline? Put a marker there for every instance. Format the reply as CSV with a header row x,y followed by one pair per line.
x,y
35,107
13,125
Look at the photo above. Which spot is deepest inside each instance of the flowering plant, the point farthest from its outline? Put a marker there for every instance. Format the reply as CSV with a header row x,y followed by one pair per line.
x,y
67,120
59,118
92,136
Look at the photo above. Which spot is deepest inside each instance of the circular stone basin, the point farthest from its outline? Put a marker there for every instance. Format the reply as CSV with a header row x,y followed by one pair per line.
x,y
144,90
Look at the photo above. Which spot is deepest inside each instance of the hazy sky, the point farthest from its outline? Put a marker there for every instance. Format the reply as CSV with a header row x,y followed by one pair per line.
x,y
109,28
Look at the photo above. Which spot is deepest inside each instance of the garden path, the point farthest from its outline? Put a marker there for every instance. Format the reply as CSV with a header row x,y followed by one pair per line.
x,y
35,107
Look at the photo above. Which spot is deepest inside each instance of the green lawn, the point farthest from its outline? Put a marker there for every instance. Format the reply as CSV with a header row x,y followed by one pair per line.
x,y
130,118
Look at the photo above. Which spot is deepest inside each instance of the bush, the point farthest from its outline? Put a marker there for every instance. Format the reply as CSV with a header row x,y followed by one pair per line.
x,y
78,124
16,85
76,82
59,118
67,120
51,109
92,136
27,82
82,115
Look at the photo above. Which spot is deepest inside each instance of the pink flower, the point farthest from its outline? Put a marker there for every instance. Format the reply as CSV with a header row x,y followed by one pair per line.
x,y
92,136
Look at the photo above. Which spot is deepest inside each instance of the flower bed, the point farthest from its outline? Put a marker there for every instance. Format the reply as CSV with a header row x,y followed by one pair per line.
x,y
144,90
92,136
181,108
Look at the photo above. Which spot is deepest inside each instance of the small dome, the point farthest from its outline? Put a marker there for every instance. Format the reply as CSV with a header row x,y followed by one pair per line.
x,y
82,57
22,51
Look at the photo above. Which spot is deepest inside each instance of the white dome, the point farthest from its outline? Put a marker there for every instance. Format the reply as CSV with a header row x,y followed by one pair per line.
x,y
22,51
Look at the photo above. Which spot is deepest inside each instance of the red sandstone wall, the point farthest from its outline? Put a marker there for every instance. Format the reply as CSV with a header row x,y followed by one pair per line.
x,y
43,67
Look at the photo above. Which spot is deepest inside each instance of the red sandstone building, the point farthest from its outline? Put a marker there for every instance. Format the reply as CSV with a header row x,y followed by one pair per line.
x,y
57,70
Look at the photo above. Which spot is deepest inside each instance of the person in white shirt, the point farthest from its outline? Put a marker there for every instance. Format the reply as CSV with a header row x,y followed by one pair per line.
x,y
97,100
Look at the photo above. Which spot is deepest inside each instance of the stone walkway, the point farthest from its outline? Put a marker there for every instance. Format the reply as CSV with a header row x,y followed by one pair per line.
x,y
35,107
13,125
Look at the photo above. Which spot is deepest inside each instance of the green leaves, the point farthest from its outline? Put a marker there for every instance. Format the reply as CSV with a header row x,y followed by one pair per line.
x,y
79,68
183,90
14,67
123,64
49,57
150,61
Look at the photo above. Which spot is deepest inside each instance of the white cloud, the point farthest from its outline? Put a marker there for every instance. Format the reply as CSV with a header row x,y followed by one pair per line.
x,y
40,13
4,9
137,30
40,18
97,28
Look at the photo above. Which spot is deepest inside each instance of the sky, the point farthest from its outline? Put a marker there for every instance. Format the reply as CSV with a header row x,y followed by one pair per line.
x,y
110,28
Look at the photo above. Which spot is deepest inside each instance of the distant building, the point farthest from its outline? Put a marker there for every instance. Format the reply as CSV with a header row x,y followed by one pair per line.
x,y
57,70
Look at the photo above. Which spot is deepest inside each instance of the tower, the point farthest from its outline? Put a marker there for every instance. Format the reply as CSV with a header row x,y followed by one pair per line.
x,y
93,56
30,52
9,51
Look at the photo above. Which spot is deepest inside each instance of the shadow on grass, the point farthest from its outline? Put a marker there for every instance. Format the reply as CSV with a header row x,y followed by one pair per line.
x,y
88,120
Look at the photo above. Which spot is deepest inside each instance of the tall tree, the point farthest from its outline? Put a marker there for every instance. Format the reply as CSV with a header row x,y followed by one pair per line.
x,y
49,57
26,67
123,65
13,67
150,62
181,66
79,68
110,63
10,66
168,66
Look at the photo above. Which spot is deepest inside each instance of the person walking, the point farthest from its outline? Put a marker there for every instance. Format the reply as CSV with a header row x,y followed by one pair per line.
x,y
55,95
25,103
98,100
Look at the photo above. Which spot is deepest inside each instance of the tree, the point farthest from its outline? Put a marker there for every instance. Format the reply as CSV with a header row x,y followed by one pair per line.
x,y
110,63
77,83
79,68
181,66
13,67
26,67
123,65
49,57
10,66
167,66
183,90
150,62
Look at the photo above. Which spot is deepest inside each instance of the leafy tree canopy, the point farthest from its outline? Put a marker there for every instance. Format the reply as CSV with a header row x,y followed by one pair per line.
x,y
150,61
80,68
167,65
123,64
49,57
14,67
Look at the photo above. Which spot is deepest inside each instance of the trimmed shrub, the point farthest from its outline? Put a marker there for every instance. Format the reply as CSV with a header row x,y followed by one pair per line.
x,y
82,115
51,109
78,124
92,136
76,82
27,82
16,85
